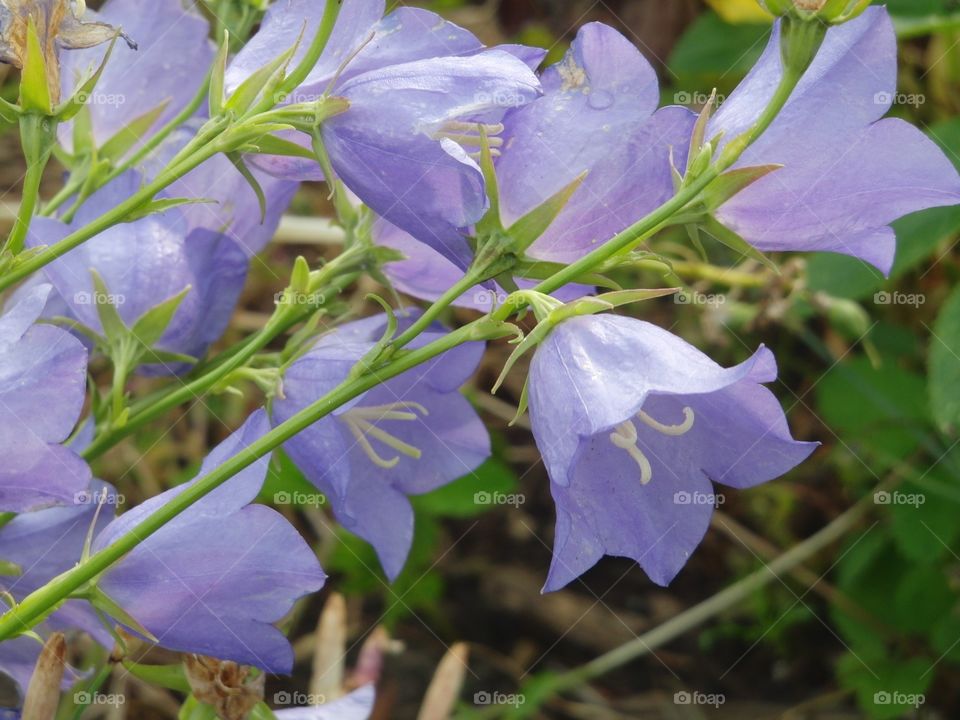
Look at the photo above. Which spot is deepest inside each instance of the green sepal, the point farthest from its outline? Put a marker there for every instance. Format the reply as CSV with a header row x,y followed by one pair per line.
x,y
171,677
113,326
732,182
242,168
193,709
150,326
34,88
725,236
217,96
10,569
107,605
69,108
491,223
264,80
153,355
700,130
8,111
528,229
83,132
273,145
128,136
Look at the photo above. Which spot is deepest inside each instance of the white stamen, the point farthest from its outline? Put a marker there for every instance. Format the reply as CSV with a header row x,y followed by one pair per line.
x,y
672,430
625,438
468,135
361,421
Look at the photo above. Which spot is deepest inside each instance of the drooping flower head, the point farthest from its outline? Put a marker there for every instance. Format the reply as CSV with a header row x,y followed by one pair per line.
x,y
417,86
43,375
848,174
634,426
408,436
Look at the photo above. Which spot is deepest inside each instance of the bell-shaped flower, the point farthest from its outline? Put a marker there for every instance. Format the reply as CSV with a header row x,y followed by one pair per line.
x,y
205,248
36,547
847,173
598,115
634,426
43,375
173,50
213,580
410,435
419,90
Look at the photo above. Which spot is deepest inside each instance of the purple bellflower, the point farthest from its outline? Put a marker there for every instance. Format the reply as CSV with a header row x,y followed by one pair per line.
x,y
419,88
43,376
847,173
143,263
408,436
172,44
634,425
215,579
42,545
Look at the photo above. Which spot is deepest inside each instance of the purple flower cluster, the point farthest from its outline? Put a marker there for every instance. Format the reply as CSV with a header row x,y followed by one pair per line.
x,y
634,424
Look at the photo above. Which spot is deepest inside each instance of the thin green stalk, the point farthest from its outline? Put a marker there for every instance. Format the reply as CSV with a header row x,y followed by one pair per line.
x,y
36,138
700,613
40,603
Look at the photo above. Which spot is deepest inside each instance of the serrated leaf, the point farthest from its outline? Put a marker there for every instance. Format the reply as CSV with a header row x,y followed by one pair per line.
x,y
732,182
528,229
34,88
149,328
118,146
241,166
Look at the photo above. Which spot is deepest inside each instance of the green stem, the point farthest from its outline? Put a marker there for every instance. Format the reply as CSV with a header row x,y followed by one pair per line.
x,y
36,137
39,603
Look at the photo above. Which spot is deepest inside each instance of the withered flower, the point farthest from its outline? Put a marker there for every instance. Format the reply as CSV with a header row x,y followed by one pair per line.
x,y
232,689
58,25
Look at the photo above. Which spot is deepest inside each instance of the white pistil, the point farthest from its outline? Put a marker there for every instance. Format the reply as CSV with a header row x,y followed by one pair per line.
x,y
625,438
673,430
361,421
468,135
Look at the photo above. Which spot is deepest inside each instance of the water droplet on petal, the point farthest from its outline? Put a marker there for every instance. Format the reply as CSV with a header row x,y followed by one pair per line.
x,y
600,99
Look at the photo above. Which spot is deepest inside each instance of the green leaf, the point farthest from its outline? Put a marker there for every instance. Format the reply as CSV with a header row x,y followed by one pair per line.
x,y
925,533
217,73
149,328
273,145
528,229
715,230
154,207
108,605
118,146
944,365
266,78
732,182
78,101
886,687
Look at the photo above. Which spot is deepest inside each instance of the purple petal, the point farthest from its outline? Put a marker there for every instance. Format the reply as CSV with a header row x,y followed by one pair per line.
x,y
358,705
173,53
